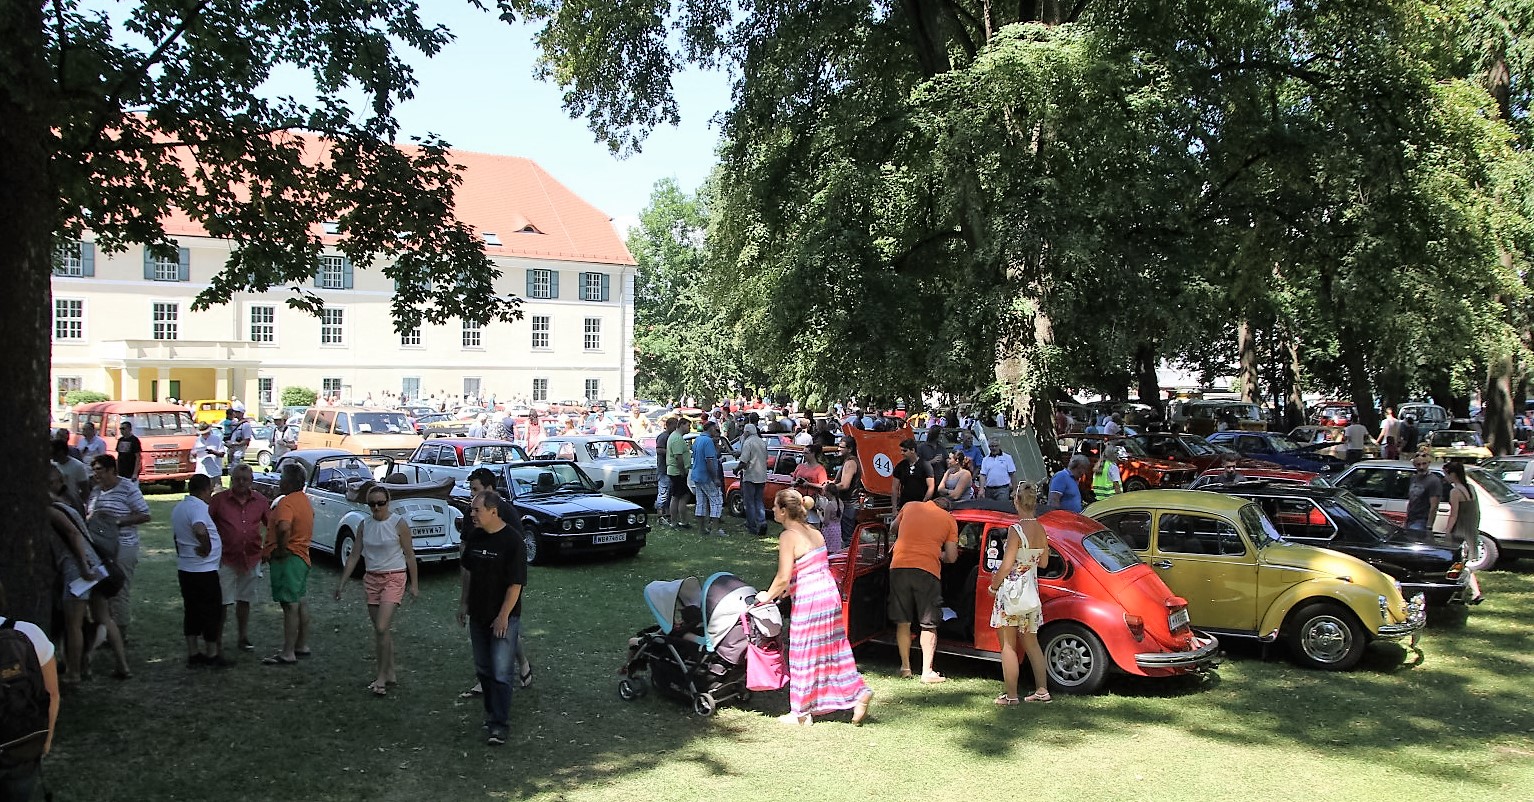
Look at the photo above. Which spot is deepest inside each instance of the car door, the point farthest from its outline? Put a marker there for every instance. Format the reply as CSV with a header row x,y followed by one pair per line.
x,y
780,471
327,495
1384,489
1203,558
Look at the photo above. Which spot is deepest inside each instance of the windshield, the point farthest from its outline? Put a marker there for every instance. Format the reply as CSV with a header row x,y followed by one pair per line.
x,y
1454,438
1110,551
380,423
492,455
1494,486
1282,443
1129,447
534,480
1373,523
1258,527
614,449
1507,469
1199,447
152,424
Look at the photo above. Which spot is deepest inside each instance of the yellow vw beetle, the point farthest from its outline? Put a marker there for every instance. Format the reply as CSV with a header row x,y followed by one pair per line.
x,y
1241,579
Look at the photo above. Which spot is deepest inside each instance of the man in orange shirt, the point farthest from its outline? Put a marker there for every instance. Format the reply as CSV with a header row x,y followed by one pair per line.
x,y
925,534
287,548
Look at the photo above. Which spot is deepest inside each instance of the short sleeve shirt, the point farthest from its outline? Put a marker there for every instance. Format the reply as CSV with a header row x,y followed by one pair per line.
x,y
129,456
998,470
295,509
913,479
121,501
705,455
189,512
40,642
924,529
1070,493
678,457
89,449
1419,495
494,561
239,527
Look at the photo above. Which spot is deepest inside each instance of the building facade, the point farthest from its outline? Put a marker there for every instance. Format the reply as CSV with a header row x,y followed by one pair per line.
x,y
123,323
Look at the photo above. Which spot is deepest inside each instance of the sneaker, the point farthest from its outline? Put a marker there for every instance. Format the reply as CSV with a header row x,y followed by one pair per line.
x,y
721,533
495,738
665,520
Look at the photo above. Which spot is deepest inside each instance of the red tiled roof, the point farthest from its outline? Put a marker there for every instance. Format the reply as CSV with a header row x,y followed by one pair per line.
x,y
531,213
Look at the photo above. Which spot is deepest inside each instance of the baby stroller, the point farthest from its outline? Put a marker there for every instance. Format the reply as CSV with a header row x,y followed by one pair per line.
x,y
697,649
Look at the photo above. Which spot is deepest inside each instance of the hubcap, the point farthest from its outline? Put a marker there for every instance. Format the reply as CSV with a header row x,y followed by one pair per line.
x,y
530,544
1070,660
1326,639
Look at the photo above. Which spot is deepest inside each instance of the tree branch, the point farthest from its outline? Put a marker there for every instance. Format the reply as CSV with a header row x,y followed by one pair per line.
x,y
114,97
1263,65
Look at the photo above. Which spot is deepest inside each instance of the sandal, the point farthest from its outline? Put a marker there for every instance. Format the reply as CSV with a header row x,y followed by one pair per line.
x,y
1006,701
379,690
860,710
527,677
1038,696
278,660
905,673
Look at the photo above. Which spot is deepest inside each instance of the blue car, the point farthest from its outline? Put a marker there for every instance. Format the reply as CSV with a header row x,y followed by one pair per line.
x,y
1277,448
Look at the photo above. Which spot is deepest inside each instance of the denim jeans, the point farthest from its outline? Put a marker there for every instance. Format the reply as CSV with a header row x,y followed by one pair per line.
x,y
495,663
662,492
751,494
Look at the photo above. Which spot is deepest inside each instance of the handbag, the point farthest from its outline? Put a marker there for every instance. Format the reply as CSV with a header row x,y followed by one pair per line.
x,y
766,667
1019,595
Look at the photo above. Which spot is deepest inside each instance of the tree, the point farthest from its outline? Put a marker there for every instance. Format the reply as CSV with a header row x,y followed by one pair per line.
x,y
112,120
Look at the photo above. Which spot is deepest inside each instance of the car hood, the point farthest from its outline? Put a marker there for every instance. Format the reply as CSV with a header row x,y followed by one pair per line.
x,y
1325,562
622,464
559,505
1162,464
1421,544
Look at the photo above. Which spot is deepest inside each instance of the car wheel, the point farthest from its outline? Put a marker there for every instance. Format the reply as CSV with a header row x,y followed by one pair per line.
x,y
631,688
1134,483
1326,635
1485,554
530,544
1075,660
736,504
264,459
345,543
703,704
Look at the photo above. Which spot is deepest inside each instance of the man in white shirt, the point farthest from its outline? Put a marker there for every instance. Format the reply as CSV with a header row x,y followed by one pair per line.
x,y
997,472
90,445
1356,435
1115,425
208,454
240,440
198,553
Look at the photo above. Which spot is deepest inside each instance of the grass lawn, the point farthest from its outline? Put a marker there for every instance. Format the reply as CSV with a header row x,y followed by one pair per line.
x,y
1456,724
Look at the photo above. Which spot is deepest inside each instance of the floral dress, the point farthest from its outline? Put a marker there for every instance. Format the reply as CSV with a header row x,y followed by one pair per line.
x,y
1026,566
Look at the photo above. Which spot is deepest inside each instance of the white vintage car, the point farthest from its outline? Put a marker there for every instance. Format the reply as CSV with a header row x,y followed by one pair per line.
x,y
337,482
623,467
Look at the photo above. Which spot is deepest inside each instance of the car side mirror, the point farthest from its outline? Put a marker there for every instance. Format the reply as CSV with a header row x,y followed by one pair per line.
x,y
599,483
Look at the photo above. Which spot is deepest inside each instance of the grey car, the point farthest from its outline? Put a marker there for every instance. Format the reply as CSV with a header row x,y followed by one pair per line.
x,y
622,465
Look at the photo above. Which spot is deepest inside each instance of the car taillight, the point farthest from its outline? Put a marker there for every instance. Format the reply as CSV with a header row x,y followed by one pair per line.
x,y
1176,614
1455,571
1317,517
1136,626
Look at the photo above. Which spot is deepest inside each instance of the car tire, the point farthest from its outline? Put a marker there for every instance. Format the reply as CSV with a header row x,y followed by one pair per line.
x,y
1327,636
736,504
1134,483
264,459
1486,555
345,542
703,704
1075,660
530,544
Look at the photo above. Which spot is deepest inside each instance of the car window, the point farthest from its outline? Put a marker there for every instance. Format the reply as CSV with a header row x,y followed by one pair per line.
x,y
1386,483
1246,444
149,424
491,455
447,456
787,462
1493,486
343,423
1133,527
1110,551
1298,518
538,479
1188,533
380,423
970,534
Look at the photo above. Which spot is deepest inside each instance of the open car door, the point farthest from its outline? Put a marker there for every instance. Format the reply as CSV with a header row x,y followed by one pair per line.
x,y
863,581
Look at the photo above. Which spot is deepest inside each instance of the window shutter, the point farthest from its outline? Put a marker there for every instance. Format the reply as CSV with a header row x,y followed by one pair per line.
x,y
88,259
580,279
606,287
346,274
148,263
184,264
529,283
553,283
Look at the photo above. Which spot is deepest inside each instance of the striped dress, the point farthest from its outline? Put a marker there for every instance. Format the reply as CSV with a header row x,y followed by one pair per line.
x,y
822,676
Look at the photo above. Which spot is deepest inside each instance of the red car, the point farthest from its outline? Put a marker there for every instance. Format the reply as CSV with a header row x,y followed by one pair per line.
x,y
1278,475
1104,610
781,462
1193,450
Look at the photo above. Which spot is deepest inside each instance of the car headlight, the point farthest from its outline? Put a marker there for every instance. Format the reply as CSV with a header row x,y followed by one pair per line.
x,y
566,524
580,523
632,519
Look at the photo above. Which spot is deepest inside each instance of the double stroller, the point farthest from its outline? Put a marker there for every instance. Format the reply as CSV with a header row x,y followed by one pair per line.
x,y
696,651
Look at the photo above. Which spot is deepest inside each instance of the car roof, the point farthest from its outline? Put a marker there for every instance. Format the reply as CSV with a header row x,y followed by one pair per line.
x,y
129,406
1185,499
467,441
1270,489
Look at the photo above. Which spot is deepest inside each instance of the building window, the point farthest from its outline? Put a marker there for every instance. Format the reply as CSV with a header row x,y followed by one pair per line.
x,y
330,387
593,389
471,386
333,327
411,339
165,321
67,385
75,259
410,389
542,284
263,324
333,273
175,267
68,320
540,389
473,335
264,389
594,286
166,269
541,326
593,334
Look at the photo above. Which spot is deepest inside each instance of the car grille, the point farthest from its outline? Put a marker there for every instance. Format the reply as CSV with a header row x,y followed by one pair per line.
x,y
607,522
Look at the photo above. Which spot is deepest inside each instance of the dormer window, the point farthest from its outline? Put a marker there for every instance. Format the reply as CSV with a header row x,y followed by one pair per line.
x,y
491,238
529,229
332,226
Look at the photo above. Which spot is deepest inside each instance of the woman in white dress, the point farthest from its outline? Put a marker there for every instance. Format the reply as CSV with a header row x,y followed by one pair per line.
x,y
1027,548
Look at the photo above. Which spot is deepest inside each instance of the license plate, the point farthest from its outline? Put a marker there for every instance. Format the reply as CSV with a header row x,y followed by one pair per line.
x,y
615,538
1177,620
167,462
428,531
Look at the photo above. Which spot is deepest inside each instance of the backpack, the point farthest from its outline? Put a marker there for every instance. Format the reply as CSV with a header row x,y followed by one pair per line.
x,y
103,536
24,699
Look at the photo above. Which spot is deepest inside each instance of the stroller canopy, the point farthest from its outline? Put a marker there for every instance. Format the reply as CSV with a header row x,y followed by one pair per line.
x,y
725,598
670,603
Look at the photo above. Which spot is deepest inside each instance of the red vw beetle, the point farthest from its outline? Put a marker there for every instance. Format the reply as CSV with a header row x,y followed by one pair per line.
x,y
1104,610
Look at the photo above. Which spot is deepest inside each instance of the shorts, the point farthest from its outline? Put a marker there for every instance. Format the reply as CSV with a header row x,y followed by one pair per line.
x,y
386,588
676,486
239,587
916,597
708,499
202,608
290,579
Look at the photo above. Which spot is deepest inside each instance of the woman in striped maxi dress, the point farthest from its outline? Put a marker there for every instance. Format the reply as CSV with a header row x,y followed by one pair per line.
x,y
822,676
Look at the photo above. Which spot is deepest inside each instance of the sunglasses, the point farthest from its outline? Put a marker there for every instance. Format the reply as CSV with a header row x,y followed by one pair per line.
x,y
376,504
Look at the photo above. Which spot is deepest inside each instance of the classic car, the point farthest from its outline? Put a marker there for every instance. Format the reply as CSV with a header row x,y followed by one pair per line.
x,y
1271,475
563,512
260,450
1507,518
449,425
1203,417
1080,415
1104,610
1138,470
1240,578
337,482
1193,450
1278,449
781,462
622,465
165,432
420,422
1333,413
1460,445
1333,518
1429,417
1327,441
456,457
1510,469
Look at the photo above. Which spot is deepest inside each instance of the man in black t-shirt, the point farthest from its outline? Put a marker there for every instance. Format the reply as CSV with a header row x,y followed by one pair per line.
x,y
913,476
493,572
130,453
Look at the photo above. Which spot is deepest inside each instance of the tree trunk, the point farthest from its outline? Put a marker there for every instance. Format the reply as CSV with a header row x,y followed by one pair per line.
x,y
1360,391
1294,402
1497,403
1246,342
27,225
1145,375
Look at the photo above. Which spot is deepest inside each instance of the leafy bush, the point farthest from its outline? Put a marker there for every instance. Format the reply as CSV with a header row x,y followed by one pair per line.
x,y
298,397
84,397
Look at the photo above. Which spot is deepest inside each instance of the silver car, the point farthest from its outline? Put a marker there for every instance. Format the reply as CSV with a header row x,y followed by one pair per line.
x,y
1507,518
623,467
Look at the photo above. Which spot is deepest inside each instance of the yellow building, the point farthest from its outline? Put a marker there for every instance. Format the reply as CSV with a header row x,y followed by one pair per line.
x,y
123,323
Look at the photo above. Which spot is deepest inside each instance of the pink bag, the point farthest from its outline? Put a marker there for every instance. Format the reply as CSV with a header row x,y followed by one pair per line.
x,y
766,666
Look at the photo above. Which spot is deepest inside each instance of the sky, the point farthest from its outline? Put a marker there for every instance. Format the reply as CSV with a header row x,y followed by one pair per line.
x,y
479,94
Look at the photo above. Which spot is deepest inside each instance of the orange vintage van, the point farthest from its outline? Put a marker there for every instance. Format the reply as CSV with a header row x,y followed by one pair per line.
x,y
373,432
164,430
